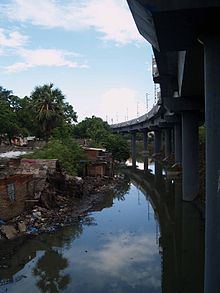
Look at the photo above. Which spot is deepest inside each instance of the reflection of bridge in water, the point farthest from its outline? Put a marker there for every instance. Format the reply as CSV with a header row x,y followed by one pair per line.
x,y
181,230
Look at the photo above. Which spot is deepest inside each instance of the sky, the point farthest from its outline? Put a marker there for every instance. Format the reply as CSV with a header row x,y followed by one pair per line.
x,y
90,49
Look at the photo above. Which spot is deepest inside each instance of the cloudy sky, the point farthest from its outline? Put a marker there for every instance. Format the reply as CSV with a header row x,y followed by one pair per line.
x,y
90,49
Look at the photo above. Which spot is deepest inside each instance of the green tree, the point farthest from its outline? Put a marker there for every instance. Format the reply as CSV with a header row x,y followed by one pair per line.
x,y
94,128
100,134
50,108
118,146
69,154
8,121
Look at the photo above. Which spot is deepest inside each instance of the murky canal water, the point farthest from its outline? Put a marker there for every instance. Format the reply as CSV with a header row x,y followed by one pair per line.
x,y
126,247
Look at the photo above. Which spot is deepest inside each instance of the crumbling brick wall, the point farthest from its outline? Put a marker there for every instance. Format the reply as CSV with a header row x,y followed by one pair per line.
x,y
14,191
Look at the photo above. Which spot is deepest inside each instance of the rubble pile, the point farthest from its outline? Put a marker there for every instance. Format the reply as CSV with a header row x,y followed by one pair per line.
x,y
63,200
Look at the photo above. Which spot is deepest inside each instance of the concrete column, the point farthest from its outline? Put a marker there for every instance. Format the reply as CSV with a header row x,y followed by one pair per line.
x,y
190,159
157,141
145,138
133,149
168,142
172,141
192,250
178,143
212,113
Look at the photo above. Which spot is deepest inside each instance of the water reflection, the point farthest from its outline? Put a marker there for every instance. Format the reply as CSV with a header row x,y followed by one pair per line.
x,y
182,234
127,247
48,271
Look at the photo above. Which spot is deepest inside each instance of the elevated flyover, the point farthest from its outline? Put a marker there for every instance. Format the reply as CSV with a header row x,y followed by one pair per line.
x,y
185,37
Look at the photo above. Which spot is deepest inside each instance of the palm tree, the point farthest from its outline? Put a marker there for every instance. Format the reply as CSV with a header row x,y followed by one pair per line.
x,y
49,106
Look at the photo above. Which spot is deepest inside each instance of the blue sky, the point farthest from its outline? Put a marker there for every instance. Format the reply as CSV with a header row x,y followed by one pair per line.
x,y
90,49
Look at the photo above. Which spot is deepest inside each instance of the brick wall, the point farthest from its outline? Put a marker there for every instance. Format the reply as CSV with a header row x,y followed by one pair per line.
x,y
13,193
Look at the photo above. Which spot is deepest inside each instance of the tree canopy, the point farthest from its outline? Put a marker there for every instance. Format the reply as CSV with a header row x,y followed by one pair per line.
x,y
39,114
46,114
99,132
50,109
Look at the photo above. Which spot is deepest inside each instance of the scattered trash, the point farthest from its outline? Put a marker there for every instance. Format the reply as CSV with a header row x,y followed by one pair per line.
x,y
32,230
64,199
2,222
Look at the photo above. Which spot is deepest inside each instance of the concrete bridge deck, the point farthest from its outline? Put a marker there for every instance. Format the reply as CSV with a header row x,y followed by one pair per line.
x,y
185,37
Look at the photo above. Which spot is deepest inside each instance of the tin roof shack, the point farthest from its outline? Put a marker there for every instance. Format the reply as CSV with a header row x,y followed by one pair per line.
x,y
14,191
99,162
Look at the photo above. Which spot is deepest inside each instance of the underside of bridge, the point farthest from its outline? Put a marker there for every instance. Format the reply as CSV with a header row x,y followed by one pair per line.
x,y
185,37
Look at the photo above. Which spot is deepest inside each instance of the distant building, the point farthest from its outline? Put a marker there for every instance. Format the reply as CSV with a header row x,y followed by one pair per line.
x,y
99,163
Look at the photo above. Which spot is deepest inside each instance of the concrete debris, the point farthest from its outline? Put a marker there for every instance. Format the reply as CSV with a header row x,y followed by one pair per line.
x,y
63,200
37,214
22,227
9,231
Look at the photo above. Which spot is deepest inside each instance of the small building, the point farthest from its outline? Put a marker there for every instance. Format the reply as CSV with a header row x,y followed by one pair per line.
x,y
99,162
21,183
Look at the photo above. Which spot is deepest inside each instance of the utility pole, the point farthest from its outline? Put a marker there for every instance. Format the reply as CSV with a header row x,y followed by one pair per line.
x,y
155,94
137,109
147,99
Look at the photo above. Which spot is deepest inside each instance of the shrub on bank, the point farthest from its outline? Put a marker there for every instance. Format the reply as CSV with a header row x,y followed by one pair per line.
x,y
69,154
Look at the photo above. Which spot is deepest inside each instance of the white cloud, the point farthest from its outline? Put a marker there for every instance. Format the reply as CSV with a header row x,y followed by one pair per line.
x,y
45,57
119,256
111,18
121,104
12,39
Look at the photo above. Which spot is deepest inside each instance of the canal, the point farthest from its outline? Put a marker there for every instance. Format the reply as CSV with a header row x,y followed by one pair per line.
x,y
142,239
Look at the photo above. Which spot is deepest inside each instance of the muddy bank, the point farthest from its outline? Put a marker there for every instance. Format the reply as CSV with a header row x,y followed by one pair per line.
x,y
64,200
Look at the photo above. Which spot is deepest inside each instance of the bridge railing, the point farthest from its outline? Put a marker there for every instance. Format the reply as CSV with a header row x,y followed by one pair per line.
x,y
138,120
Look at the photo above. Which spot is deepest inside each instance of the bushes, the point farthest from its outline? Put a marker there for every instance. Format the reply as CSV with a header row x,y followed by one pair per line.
x,y
69,154
101,136
118,146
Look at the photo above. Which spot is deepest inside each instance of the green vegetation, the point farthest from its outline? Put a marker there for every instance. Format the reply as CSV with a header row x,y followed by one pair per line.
x,y
37,115
93,128
50,110
46,115
100,134
69,154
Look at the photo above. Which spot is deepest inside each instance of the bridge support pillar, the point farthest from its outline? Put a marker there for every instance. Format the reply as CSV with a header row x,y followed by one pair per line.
x,y
145,138
157,141
168,142
133,149
212,103
178,143
190,160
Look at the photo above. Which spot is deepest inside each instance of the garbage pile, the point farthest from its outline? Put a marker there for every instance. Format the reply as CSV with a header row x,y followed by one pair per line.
x,y
64,200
